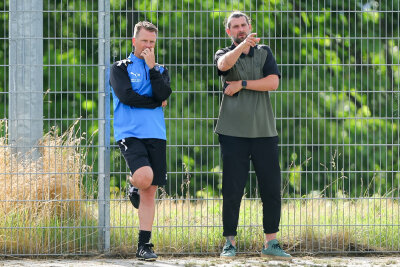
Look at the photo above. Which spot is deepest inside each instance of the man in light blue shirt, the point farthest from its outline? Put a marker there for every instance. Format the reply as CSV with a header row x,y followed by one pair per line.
x,y
140,91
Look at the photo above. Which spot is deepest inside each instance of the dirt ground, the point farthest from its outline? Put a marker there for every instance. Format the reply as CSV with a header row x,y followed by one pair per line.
x,y
207,261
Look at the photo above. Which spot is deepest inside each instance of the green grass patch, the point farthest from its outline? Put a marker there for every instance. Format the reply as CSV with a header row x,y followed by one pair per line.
x,y
307,225
44,210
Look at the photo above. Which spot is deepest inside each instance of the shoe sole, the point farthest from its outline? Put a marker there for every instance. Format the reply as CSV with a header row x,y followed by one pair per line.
x,y
152,259
273,257
227,257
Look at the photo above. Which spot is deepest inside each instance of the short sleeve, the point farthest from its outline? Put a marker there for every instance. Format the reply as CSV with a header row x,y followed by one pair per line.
x,y
218,55
270,66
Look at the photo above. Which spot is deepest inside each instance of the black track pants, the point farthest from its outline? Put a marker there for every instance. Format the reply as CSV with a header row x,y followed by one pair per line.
x,y
236,155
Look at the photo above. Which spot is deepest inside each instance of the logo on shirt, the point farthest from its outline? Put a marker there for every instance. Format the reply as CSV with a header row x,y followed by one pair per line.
x,y
124,61
135,77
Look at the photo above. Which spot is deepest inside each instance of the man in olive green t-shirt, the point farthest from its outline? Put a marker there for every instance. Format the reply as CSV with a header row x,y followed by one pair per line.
x,y
246,131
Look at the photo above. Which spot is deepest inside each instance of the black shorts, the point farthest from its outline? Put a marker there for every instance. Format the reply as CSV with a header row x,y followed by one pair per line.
x,y
146,152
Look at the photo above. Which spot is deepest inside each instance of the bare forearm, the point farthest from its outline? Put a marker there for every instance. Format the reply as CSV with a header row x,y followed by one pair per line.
x,y
269,83
228,60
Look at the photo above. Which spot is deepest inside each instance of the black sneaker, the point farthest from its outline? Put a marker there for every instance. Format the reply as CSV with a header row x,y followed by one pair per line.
x,y
145,252
134,197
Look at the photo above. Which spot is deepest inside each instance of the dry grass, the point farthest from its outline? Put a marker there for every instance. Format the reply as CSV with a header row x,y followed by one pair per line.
x,y
37,195
307,226
365,224
44,210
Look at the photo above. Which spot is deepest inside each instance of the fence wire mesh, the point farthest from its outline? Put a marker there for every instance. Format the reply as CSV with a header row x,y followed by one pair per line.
x,y
337,112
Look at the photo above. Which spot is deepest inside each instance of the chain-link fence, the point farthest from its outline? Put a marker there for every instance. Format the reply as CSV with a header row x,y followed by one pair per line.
x,y
336,108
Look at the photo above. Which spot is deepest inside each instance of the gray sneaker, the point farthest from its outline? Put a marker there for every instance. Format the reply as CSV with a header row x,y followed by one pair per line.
x,y
274,251
229,250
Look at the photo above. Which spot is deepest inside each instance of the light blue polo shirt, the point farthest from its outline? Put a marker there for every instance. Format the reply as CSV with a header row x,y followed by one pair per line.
x,y
138,122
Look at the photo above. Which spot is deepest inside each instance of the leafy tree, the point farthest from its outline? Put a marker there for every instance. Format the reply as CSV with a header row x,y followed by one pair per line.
x,y
337,106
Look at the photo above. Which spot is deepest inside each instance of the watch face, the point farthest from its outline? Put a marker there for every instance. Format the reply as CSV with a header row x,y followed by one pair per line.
x,y
244,83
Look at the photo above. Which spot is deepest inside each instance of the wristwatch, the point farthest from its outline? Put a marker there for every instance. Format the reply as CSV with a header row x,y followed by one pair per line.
x,y
244,84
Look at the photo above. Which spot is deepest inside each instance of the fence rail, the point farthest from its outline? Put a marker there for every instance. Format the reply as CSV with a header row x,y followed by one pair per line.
x,y
337,111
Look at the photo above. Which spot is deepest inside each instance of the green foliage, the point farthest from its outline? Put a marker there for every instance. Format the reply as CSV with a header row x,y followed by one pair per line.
x,y
337,107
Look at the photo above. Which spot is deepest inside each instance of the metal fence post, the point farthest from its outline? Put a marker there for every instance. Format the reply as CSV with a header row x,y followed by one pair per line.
x,y
26,75
104,126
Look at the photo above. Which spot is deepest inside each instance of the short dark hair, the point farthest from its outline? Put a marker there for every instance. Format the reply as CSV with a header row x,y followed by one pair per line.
x,y
236,14
148,26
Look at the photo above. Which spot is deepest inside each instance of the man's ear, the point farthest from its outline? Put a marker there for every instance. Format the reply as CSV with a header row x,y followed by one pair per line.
x,y
133,41
228,31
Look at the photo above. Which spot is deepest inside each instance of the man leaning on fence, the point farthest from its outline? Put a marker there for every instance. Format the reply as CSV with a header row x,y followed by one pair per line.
x,y
246,131
140,89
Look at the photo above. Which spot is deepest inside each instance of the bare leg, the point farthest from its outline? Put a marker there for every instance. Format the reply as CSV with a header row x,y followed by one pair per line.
x,y
142,178
231,239
269,237
147,208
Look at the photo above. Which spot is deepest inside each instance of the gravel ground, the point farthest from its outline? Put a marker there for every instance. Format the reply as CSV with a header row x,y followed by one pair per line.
x,y
207,261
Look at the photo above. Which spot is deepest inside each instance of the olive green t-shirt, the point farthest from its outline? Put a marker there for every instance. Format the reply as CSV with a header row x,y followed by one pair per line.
x,y
248,113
